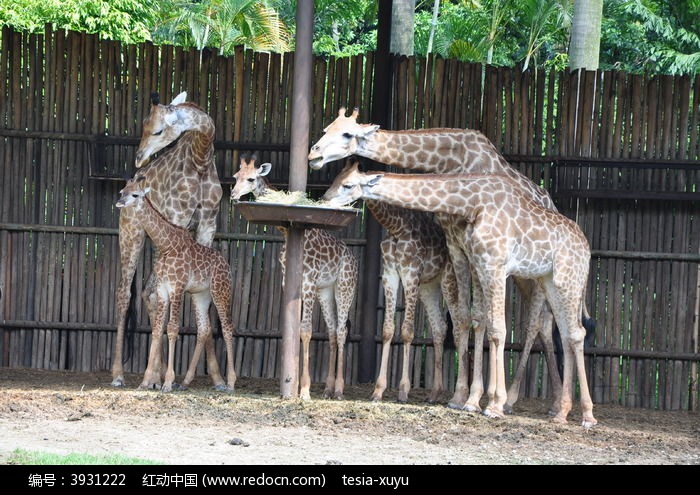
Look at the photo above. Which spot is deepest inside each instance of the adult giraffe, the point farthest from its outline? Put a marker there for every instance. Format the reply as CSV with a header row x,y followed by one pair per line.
x,y
448,151
185,187
509,234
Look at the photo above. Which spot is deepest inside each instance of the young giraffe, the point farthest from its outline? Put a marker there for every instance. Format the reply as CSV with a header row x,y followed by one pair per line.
x,y
508,234
185,187
415,255
329,273
450,151
182,266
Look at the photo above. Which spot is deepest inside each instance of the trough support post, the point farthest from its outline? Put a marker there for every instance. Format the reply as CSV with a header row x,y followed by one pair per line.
x,y
299,150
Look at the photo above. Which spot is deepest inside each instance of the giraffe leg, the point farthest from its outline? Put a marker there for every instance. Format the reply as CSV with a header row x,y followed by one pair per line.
x,y
213,368
345,288
327,304
454,284
221,292
130,247
305,336
201,302
430,296
173,333
152,377
494,295
535,298
340,367
479,321
410,280
552,369
150,302
390,283
565,302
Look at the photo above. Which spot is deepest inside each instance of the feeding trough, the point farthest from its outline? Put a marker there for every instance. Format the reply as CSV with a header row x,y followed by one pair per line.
x,y
299,216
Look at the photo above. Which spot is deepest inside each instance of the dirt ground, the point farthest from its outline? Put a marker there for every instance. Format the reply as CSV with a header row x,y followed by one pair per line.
x,y
64,412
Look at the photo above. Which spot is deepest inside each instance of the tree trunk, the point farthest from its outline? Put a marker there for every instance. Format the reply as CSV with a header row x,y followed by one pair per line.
x,y
584,50
402,21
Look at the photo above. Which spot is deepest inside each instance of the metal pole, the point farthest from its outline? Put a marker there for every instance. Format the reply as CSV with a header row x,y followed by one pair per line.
x,y
299,150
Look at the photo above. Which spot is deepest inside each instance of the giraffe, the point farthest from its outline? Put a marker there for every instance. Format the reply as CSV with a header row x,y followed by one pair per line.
x,y
443,150
184,186
509,234
330,273
183,265
414,254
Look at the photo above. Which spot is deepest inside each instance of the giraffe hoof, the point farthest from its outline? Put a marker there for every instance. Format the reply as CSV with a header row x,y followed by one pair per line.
x,y
338,396
508,409
471,408
118,382
166,388
493,413
589,423
327,394
456,404
149,386
376,398
560,419
220,387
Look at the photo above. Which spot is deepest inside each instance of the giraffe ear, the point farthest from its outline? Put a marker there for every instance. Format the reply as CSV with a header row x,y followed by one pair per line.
x,y
264,169
170,118
373,180
146,190
179,98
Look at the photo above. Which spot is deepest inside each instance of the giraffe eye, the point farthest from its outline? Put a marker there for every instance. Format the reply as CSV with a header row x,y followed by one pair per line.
x,y
158,133
251,180
347,135
347,186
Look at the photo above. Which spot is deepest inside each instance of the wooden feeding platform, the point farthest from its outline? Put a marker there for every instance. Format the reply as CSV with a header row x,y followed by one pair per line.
x,y
299,216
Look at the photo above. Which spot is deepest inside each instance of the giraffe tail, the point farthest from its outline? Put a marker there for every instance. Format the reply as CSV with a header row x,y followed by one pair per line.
x,y
589,324
449,343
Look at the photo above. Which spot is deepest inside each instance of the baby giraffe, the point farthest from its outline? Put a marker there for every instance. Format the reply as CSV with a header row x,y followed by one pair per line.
x,y
183,266
329,273
508,234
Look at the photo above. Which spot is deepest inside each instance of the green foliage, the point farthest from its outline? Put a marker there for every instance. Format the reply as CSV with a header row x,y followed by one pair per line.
x,y
125,20
223,24
546,26
651,36
639,36
26,457
468,31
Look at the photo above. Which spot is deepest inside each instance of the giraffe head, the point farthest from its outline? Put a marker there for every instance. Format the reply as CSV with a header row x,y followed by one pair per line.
x,y
350,185
250,179
133,193
162,126
340,139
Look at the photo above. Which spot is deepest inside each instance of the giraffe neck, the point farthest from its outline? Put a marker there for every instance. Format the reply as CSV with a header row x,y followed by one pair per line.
x,y
199,137
463,195
163,234
262,187
446,151
394,219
